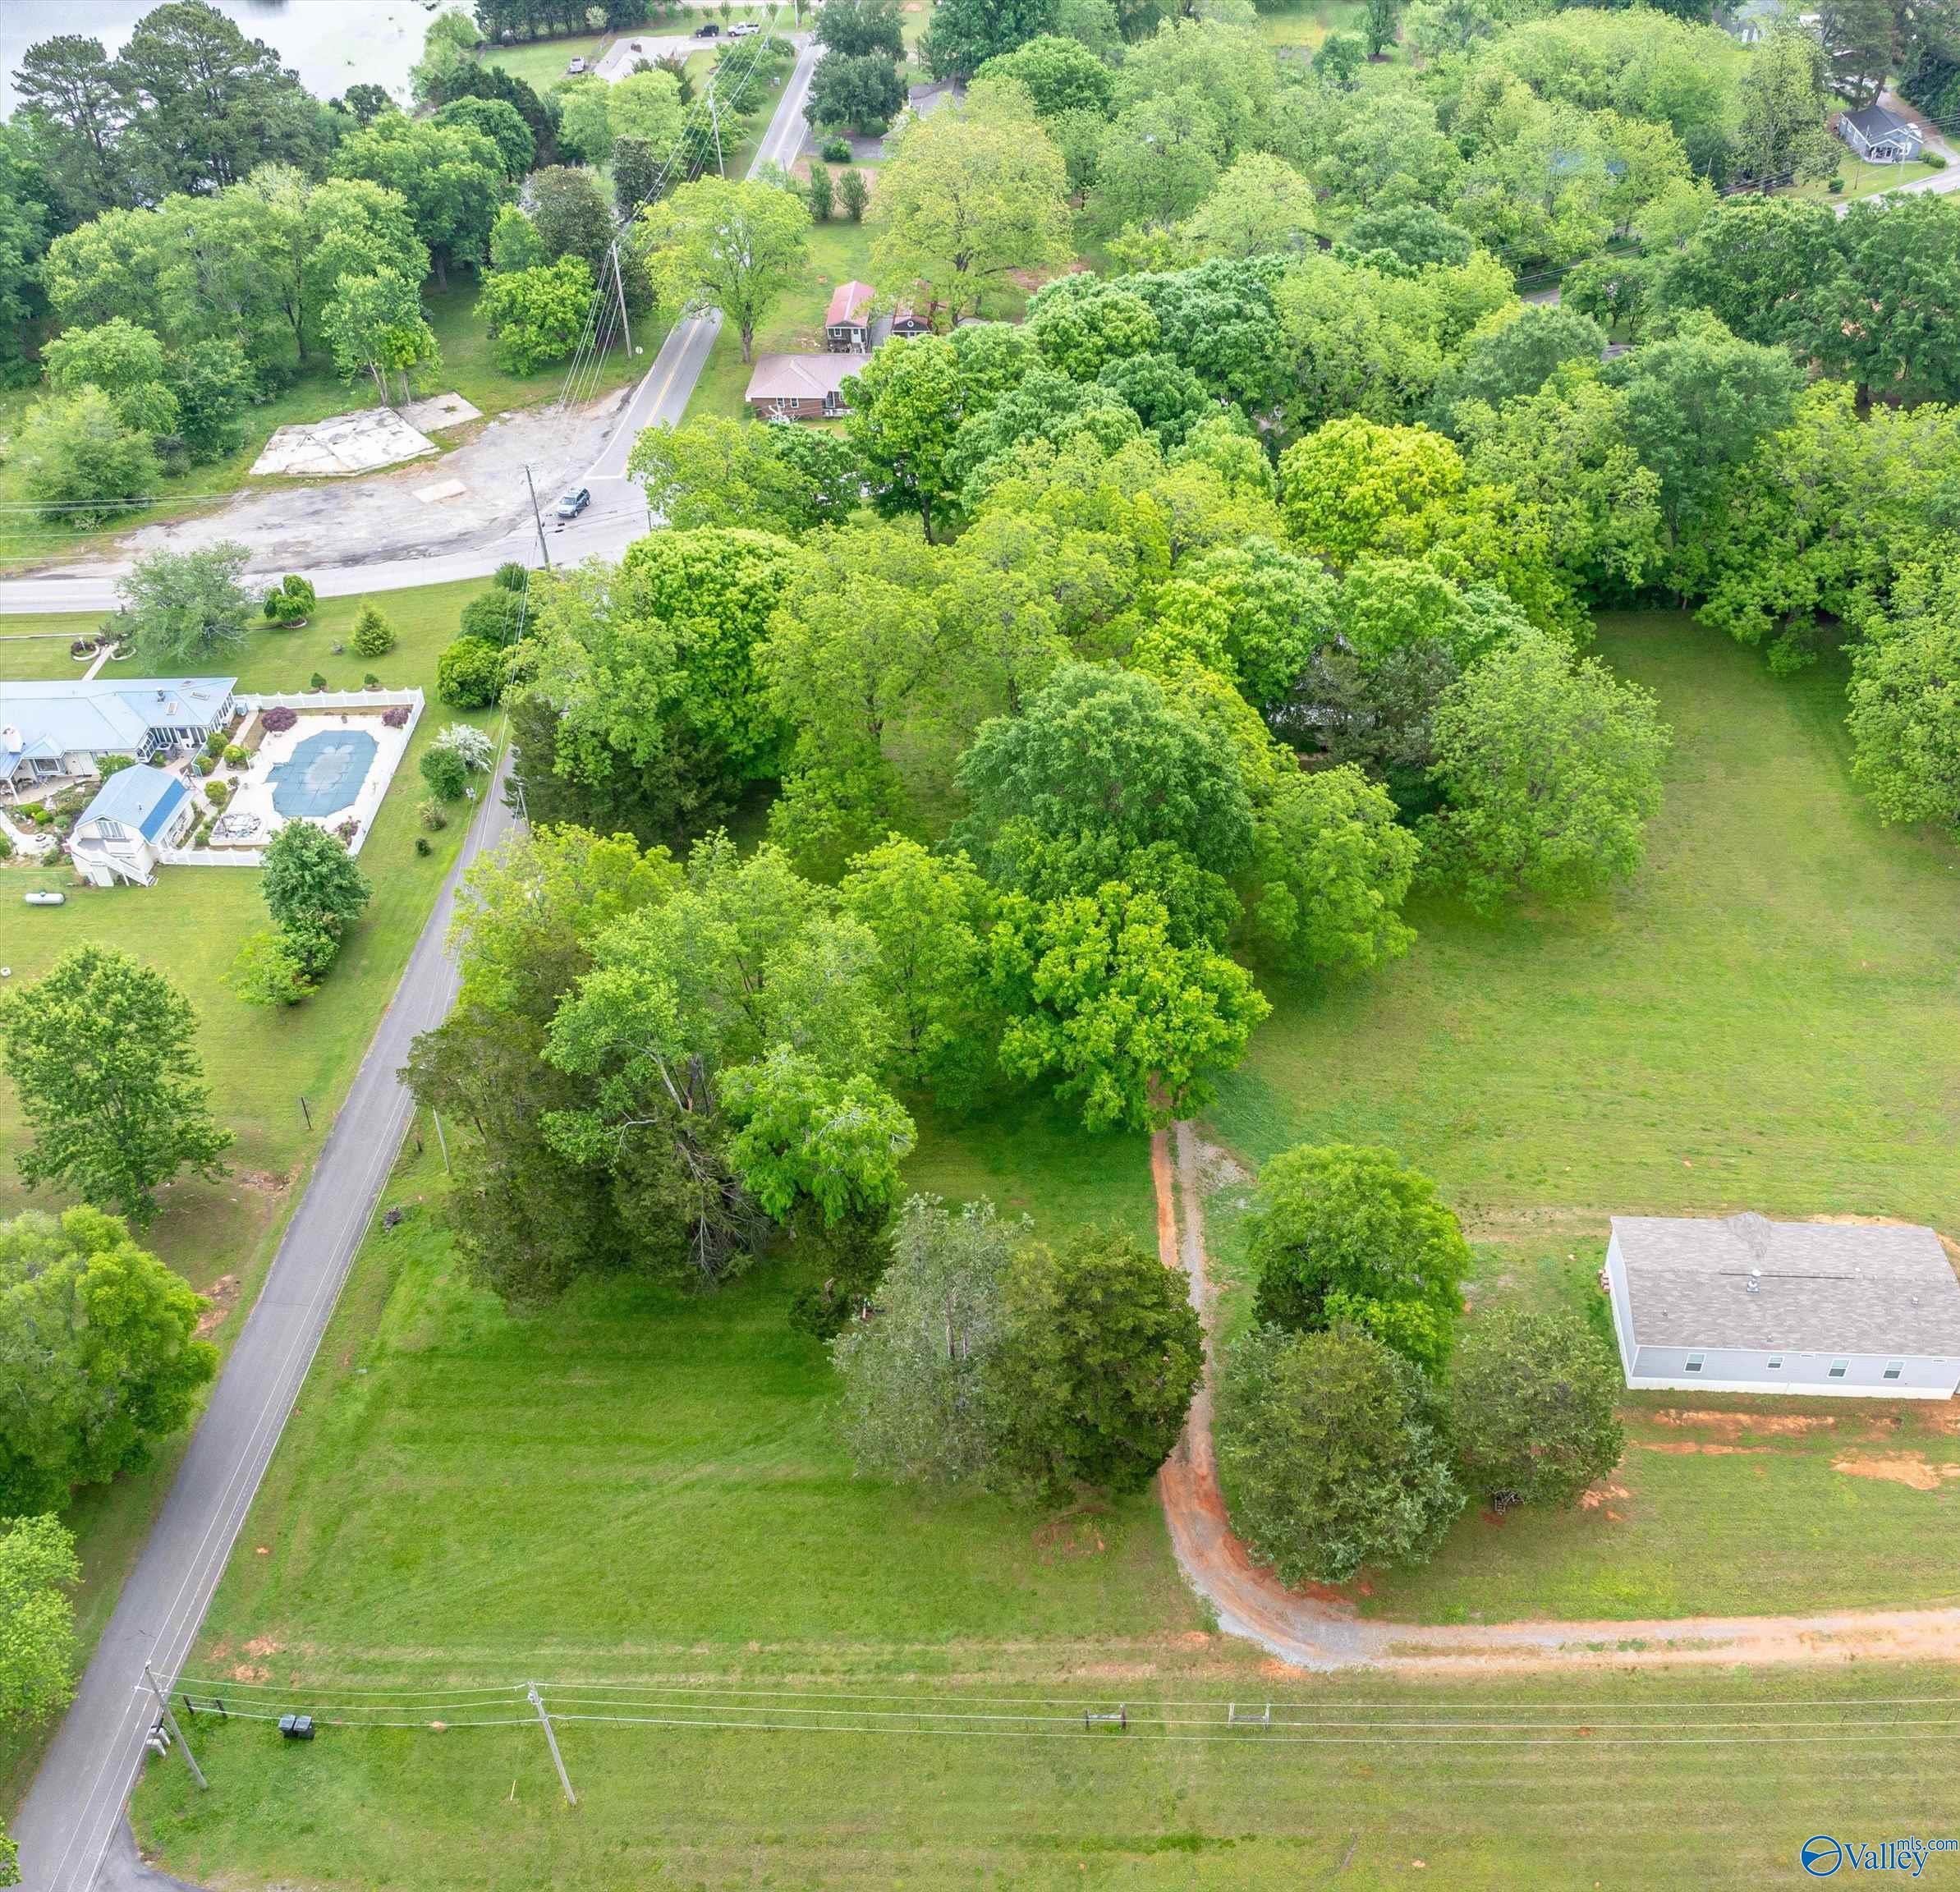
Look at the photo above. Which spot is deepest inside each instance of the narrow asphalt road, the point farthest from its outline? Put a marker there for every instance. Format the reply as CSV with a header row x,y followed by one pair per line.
x,y
72,1817
618,514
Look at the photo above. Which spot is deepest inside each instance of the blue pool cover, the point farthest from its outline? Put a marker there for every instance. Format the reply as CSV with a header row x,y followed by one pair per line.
x,y
323,774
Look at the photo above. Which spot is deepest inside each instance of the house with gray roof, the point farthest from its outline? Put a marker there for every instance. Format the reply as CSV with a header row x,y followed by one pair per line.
x,y
1880,136
136,814
801,387
1742,1304
56,732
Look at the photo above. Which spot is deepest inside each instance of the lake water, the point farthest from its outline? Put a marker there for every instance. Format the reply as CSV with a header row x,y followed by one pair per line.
x,y
332,44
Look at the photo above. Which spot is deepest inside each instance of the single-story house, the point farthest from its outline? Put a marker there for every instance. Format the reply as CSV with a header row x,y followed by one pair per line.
x,y
1742,1304
1880,135
136,814
801,387
60,732
847,321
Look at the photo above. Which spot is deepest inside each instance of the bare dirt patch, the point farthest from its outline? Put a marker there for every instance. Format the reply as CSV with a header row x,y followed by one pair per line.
x,y
223,1294
1065,1538
1774,1425
1909,1468
1599,1497
1699,1448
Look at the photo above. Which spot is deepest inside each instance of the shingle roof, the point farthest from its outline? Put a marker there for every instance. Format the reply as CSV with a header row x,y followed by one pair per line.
x,y
1820,1288
142,798
800,377
848,303
1876,121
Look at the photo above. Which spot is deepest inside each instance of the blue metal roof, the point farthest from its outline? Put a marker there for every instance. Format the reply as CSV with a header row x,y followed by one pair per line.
x,y
105,717
142,797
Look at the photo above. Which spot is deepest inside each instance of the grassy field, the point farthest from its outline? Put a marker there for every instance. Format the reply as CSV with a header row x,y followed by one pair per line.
x,y
25,539
221,1236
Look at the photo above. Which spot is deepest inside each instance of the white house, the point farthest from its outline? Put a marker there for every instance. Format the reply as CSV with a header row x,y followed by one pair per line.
x,y
1881,136
1744,1305
52,732
136,814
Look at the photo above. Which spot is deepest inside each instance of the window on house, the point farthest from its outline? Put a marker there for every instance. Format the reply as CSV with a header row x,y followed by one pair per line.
x,y
1894,1368
1694,1362
1839,1368
1776,1362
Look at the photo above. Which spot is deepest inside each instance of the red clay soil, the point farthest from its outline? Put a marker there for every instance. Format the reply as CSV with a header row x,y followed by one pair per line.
x,y
1317,1631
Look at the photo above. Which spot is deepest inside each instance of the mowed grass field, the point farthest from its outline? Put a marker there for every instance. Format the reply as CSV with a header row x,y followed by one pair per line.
x,y
221,1235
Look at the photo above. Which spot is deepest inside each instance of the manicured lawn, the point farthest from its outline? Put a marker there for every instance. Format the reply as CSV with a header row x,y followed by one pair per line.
x,y
1860,180
315,393
258,1063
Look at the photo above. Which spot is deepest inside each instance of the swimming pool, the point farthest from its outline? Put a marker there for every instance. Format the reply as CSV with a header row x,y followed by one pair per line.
x,y
323,774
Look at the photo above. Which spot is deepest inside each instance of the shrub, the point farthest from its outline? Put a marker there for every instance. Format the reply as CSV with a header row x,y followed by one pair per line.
x,y
1835,185
854,194
395,716
823,198
434,816
7,848
214,744
511,576
422,846
470,673
217,793
268,971
374,636
370,682
472,744
237,755
1932,160
445,773
115,765
290,602
277,718
316,681
834,150
347,829
496,618
203,764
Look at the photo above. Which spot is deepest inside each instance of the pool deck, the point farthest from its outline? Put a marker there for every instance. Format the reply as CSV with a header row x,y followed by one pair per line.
x,y
254,794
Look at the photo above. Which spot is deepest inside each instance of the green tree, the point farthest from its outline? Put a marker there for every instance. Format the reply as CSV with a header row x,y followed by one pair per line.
x,y
636,177
1104,1354
537,315
80,464
1782,108
452,38
515,244
125,362
1060,76
1159,160
1100,1001
373,636
1507,360
502,124
1102,752
965,33
731,247
1344,482
930,916
864,91
1905,714
919,1405
1260,207
375,326
99,1357
976,192
853,194
67,98
857,27
1379,25
776,478
1331,1455
186,611
446,774
269,970
1551,770
801,1136
1903,257
1533,1397
905,406
820,193
102,1050
1350,1236
451,176
38,1572
1331,867
571,216
646,107
314,891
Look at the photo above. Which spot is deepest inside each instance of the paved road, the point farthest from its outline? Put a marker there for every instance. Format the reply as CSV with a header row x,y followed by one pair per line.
x,y
618,514
73,1813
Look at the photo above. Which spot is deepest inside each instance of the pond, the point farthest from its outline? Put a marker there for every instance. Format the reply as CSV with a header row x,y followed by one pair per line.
x,y
332,44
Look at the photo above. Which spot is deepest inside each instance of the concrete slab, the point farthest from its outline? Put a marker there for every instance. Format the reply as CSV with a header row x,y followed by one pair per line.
x,y
343,443
438,412
442,489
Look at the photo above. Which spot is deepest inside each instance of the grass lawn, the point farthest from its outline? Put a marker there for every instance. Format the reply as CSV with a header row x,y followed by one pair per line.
x,y
1861,179
221,1236
541,63
25,539
1765,1018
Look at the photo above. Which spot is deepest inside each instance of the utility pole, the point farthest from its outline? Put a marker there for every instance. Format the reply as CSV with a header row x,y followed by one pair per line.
x,y
714,118
543,549
537,1701
442,1141
619,283
170,1721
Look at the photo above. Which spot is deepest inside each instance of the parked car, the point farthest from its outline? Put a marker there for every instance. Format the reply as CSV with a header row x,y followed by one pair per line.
x,y
710,31
576,502
575,65
45,897
745,30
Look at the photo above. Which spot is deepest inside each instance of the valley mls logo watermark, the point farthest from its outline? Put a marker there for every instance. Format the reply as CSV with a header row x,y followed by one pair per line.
x,y
1821,1856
